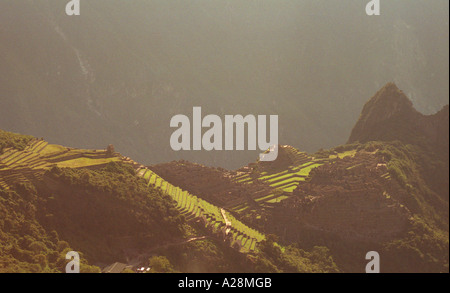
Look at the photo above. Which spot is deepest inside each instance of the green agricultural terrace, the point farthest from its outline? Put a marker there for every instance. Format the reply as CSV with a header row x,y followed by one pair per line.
x,y
219,221
38,156
284,176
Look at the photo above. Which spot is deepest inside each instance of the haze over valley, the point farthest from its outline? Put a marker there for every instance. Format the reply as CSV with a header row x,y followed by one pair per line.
x,y
120,71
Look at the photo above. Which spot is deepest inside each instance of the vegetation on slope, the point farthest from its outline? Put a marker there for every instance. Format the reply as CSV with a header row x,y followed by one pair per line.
x,y
102,210
414,180
100,213
13,140
107,211
25,245
244,249
214,256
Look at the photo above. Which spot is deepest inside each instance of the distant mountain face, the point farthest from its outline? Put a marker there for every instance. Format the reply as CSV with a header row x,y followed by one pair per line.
x,y
390,115
120,71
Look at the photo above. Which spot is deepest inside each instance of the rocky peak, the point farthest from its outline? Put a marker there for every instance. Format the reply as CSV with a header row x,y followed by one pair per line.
x,y
388,102
389,115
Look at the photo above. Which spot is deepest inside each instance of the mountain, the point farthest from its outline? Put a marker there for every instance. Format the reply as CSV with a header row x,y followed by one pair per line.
x,y
387,189
351,199
109,208
55,199
390,115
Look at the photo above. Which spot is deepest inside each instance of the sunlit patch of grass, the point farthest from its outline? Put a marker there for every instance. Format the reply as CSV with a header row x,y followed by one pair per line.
x,y
278,199
85,162
52,148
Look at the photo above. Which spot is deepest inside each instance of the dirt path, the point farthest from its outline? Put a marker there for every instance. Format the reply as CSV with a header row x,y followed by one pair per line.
x,y
227,222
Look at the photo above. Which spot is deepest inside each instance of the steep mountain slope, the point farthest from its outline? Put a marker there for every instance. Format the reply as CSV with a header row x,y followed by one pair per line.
x,y
390,115
352,199
215,185
109,208
388,192
51,196
377,199
391,193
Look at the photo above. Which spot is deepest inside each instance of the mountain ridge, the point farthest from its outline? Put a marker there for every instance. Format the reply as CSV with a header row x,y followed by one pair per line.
x,y
300,213
389,115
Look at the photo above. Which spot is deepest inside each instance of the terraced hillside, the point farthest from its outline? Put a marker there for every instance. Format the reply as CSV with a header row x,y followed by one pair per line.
x,y
38,156
30,164
284,174
219,222
215,185
353,197
256,187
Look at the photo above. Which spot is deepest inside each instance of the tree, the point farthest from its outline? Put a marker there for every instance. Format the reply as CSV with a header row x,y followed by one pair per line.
x,y
270,246
160,264
38,246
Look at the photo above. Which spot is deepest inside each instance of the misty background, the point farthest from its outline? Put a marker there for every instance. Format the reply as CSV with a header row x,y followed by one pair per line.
x,y
120,71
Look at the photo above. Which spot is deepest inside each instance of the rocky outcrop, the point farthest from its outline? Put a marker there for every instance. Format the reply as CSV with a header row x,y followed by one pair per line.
x,y
390,115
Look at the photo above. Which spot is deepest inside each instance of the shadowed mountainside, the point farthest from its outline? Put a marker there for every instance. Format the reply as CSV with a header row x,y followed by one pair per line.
x,y
303,212
390,115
